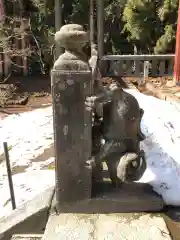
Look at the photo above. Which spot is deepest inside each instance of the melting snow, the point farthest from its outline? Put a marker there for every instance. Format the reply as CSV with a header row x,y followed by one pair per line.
x,y
29,134
161,126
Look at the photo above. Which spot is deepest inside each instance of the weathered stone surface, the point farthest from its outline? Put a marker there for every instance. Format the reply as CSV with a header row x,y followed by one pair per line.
x,y
72,37
134,197
120,129
71,83
29,218
72,126
106,226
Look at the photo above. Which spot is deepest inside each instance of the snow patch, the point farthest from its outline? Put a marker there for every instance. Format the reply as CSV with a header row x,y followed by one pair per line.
x,y
161,126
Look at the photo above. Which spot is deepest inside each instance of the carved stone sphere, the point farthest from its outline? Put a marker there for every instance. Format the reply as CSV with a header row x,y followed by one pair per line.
x,y
131,167
126,168
71,35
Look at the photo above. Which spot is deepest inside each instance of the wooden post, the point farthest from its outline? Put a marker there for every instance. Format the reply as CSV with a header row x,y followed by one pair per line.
x,y
2,14
58,23
176,75
7,65
100,27
24,24
146,71
24,58
91,23
1,64
71,83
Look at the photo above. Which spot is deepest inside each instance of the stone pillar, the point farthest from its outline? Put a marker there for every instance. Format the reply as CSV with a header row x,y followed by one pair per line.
x,y
71,83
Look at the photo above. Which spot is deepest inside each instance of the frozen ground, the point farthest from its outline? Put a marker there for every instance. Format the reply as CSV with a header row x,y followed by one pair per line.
x,y
161,126
29,134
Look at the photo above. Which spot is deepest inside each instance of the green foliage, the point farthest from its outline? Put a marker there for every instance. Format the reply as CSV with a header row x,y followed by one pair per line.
x,y
140,23
115,39
167,14
166,42
167,10
43,29
80,12
149,25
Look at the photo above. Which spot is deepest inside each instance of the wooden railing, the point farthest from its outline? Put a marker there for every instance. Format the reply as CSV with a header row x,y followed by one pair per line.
x,y
14,56
139,65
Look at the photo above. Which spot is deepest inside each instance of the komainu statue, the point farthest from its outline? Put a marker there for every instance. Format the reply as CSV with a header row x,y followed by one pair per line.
x,y
120,130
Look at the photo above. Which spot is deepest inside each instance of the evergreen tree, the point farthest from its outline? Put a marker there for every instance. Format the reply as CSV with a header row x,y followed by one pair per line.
x,y
167,13
141,24
151,25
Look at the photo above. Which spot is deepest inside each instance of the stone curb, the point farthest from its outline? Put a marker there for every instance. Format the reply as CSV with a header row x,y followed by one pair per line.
x,y
30,217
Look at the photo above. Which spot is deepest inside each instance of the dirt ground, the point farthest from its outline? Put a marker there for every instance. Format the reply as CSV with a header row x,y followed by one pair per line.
x,y
38,89
160,87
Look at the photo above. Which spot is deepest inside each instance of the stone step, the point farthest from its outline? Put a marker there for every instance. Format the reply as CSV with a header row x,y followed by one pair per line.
x,y
27,237
110,214
120,226
31,217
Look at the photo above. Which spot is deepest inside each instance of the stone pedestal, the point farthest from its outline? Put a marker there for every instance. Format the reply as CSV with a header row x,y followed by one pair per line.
x,y
73,175
132,226
71,84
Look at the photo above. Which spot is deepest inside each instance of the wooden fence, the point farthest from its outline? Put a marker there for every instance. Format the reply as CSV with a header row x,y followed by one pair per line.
x,y
19,67
116,65
139,65
13,57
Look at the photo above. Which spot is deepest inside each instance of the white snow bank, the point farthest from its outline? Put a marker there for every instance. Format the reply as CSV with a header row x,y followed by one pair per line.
x,y
29,134
161,125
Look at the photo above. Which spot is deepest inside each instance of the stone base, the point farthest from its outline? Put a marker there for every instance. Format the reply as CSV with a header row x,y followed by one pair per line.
x,y
135,197
106,226
106,215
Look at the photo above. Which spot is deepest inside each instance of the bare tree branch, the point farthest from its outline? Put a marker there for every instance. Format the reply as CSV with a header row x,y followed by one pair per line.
x,y
13,32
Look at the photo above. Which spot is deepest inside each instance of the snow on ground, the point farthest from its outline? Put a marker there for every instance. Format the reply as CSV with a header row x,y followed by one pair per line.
x,y
29,134
161,125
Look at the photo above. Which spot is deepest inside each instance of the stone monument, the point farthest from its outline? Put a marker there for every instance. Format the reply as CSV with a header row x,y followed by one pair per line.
x,y
92,127
71,83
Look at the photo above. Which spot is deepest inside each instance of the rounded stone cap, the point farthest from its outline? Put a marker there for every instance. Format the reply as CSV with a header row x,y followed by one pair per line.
x,y
72,37
71,34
